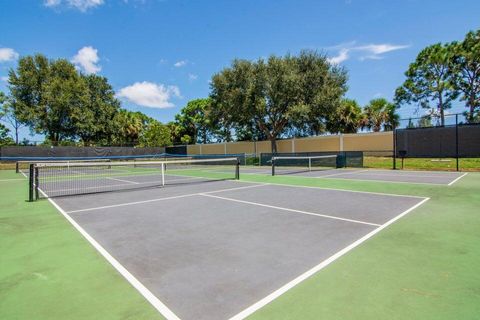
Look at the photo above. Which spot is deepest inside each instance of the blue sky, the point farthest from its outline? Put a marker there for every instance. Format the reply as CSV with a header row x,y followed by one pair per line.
x,y
159,54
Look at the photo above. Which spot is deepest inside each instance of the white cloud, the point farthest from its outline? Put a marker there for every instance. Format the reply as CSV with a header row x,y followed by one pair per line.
x,y
8,54
4,79
150,94
381,48
82,5
363,52
52,3
180,63
192,77
342,56
87,59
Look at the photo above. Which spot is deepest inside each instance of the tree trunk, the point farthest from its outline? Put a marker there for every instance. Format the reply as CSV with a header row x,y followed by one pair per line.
x,y
53,138
273,142
471,103
442,112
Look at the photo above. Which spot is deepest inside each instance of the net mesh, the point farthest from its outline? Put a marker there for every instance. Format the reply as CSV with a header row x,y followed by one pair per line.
x,y
295,164
75,178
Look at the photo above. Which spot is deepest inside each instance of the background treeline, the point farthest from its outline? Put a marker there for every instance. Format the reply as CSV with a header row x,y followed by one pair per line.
x,y
267,99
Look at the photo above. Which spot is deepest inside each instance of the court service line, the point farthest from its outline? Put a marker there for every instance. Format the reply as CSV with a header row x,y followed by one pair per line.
x,y
121,180
274,295
342,173
147,294
378,180
337,189
7,180
401,174
161,199
291,210
463,175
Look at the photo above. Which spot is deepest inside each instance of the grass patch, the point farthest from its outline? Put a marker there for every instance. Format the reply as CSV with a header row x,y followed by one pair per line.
x,y
465,164
425,266
49,271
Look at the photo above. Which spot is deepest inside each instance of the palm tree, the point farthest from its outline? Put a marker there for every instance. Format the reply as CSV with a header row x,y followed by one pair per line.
x,y
129,125
378,113
347,118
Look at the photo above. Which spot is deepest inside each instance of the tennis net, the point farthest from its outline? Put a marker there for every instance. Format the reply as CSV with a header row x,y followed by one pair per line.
x,y
295,164
56,179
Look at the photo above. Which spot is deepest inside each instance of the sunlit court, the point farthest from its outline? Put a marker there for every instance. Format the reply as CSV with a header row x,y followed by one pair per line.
x,y
218,160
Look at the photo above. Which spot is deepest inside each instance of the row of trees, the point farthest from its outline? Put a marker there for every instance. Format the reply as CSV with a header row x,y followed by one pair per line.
x,y
443,74
280,97
265,99
294,95
198,122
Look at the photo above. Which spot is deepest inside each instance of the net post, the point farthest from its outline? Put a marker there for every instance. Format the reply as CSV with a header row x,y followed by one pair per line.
x,y
162,166
273,166
237,170
17,167
31,182
309,164
456,140
35,171
394,147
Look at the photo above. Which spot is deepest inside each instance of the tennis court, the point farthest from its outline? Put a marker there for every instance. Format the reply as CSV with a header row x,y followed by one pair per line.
x,y
218,248
394,176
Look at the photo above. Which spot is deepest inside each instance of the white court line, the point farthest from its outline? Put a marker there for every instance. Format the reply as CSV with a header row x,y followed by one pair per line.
x,y
290,210
128,181
161,199
419,171
336,189
147,294
378,180
400,174
463,175
6,180
341,173
274,295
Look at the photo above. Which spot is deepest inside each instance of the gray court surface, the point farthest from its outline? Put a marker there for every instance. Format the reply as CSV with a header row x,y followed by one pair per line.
x,y
211,250
402,176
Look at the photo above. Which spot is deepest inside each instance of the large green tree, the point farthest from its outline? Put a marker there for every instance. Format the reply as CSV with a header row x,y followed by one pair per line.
x,y
95,123
429,81
155,135
5,138
194,121
346,119
129,126
8,114
49,96
380,113
3,100
466,72
276,91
